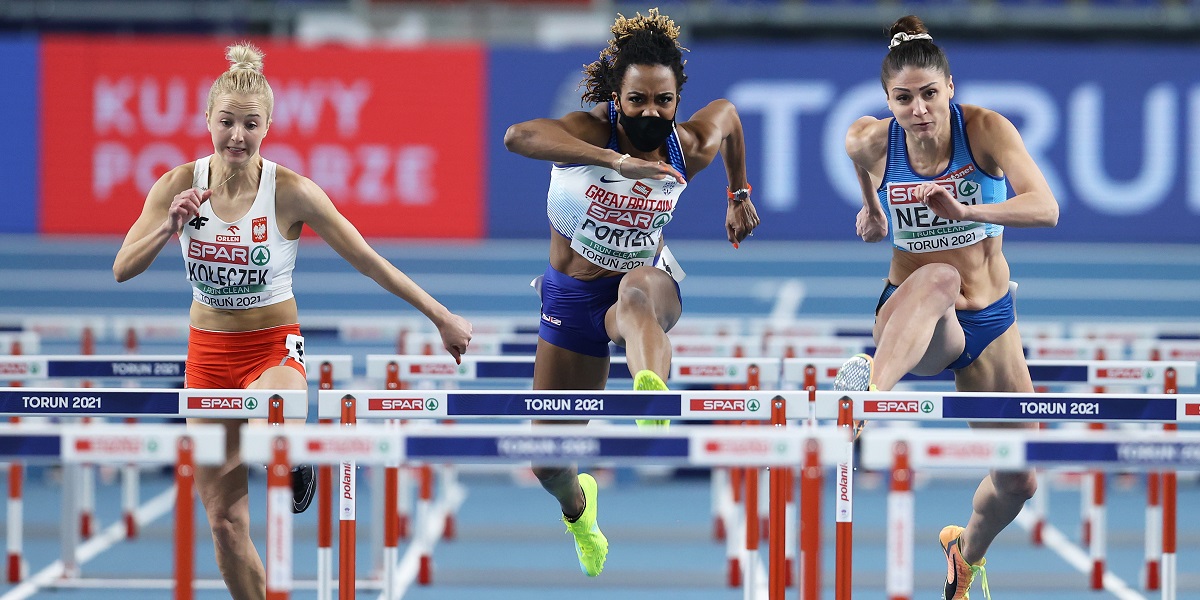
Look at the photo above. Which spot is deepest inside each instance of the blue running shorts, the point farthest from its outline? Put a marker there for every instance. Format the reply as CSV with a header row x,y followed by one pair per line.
x,y
980,327
573,311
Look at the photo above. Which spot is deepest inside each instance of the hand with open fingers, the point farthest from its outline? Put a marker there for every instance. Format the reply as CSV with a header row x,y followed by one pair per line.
x,y
740,220
184,206
939,200
456,335
871,225
636,168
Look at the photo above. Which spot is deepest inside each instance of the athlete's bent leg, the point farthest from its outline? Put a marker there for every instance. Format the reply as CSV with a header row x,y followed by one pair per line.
x,y
916,329
556,368
647,308
1001,495
224,494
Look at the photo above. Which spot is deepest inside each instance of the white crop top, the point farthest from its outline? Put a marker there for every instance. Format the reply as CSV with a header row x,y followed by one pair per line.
x,y
240,264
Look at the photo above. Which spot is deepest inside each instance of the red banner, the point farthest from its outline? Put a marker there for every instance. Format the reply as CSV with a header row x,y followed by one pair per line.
x,y
394,136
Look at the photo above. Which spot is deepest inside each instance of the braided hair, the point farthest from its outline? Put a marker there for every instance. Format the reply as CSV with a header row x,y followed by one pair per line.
x,y
641,40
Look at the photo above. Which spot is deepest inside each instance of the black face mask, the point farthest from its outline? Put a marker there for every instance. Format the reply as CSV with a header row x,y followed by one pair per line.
x,y
646,133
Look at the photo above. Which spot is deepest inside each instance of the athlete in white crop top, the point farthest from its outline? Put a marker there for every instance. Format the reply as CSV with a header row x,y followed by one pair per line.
x,y
239,218
617,176
948,303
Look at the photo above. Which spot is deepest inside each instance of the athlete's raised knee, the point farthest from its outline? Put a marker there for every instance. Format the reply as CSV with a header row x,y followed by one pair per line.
x,y
1020,484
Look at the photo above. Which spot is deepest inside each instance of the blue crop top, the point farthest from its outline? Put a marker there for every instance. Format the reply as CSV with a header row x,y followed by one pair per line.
x,y
913,226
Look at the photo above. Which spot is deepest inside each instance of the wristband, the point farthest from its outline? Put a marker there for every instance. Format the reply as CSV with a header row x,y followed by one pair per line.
x,y
739,195
617,165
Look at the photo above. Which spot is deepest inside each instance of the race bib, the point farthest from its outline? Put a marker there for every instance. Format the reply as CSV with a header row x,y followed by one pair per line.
x,y
295,347
614,247
666,263
915,228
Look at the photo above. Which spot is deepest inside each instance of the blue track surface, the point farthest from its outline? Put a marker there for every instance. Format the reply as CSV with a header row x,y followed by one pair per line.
x,y
510,543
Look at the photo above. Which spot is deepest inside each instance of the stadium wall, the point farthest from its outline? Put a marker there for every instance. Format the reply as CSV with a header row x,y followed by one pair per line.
x,y
408,142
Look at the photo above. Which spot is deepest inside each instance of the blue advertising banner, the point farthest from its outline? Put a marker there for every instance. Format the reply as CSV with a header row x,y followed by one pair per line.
x,y
18,157
1115,130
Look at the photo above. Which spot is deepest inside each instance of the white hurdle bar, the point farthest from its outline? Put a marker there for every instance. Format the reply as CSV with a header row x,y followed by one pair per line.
x,y
1169,409
273,405
350,406
153,368
684,370
379,444
904,451
156,444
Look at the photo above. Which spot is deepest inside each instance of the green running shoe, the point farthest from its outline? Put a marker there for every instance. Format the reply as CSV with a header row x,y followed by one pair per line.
x,y
590,544
649,380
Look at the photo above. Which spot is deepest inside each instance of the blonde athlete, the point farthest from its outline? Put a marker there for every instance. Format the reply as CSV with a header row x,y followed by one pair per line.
x,y
934,175
619,170
238,218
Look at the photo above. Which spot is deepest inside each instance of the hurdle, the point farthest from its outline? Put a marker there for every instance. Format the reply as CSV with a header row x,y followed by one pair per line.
x,y
904,451
184,447
117,367
1024,408
704,405
378,444
273,405
1165,375
400,371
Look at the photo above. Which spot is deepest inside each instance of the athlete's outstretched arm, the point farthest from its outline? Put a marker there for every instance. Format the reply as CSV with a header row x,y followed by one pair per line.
x,y
1033,203
169,205
998,148
581,138
577,138
314,208
867,149
718,128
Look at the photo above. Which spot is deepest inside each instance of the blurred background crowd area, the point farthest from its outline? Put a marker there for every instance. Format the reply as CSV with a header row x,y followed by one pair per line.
x,y
559,22
398,108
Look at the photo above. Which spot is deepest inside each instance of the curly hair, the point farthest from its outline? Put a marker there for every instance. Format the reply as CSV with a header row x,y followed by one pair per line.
x,y
907,51
641,40
245,76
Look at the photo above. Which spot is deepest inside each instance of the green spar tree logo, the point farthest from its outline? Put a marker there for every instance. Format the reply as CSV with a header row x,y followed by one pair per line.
x,y
251,403
260,255
431,404
967,187
752,405
927,407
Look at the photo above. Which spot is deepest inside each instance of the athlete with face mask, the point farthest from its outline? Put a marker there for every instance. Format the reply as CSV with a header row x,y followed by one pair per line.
x,y
619,170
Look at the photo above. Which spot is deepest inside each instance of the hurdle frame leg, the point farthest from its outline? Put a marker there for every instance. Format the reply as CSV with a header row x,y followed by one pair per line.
x,y
279,522
16,515
185,527
900,520
844,514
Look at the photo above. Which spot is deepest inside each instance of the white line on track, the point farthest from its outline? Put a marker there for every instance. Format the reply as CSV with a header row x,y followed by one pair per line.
x,y
1075,556
113,534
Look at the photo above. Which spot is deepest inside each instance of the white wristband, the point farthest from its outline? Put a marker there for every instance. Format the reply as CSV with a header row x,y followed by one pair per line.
x,y
617,165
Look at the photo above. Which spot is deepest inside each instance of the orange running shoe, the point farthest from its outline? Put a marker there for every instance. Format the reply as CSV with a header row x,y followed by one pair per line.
x,y
959,573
